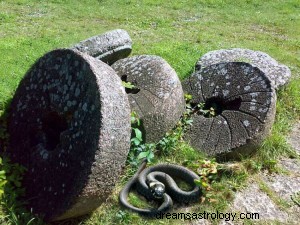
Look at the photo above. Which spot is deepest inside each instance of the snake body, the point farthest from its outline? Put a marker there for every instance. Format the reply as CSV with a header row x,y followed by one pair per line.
x,y
157,183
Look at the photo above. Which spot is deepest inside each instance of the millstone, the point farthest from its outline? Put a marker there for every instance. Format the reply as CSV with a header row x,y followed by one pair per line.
x,y
69,126
243,101
277,73
108,47
157,95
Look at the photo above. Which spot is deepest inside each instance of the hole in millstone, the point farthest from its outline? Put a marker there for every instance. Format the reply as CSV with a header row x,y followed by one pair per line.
x,y
130,87
215,106
53,125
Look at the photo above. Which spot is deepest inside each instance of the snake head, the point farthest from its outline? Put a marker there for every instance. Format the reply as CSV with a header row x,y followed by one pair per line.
x,y
157,189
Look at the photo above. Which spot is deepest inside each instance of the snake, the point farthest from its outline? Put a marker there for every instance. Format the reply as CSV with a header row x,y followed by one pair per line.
x,y
157,183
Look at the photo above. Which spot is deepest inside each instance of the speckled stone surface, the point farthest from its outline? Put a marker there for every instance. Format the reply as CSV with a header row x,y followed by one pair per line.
x,y
157,97
279,74
285,186
245,101
108,47
69,125
200,222
253,200
294,136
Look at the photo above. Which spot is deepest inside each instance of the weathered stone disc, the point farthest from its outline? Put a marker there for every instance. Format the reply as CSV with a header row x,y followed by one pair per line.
x,y
69,126
108,47
244,103
157,97
278,74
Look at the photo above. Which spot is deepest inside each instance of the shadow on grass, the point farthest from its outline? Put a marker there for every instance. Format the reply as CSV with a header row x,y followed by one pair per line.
x,y
3,126
73,221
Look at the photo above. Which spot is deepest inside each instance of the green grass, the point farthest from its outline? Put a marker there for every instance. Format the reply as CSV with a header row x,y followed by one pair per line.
x,y
180,32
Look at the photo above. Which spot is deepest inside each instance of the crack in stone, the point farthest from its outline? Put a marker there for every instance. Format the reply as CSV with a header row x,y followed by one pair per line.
x,y
209,130
138,105
152,93
242,111
256,81
229,127
216,145
245,93
171,93
245,129
246,113
147,98
258,103
201,88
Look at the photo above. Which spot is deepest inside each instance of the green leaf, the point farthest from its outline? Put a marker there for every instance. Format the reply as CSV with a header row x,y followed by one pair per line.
x,y
127,85
2,173
2,183
138,134
134,118
150,156
204,184
143,155
135,141
197,182
188,97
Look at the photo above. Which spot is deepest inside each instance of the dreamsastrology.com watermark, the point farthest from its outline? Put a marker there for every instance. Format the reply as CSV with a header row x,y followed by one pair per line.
x,y
208,216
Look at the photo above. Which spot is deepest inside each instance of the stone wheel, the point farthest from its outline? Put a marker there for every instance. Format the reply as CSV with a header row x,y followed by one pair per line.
x,y
277,73
157,95
69,126
108,47
239,108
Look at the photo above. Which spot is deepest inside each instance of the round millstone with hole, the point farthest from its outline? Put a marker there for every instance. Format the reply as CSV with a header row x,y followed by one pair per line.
x,y
69,126
156,95
236,111
108,47
278,74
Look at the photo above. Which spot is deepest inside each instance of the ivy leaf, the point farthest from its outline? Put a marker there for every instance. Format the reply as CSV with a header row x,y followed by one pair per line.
x,y
143,155
135,119
136,141
150,156
138,134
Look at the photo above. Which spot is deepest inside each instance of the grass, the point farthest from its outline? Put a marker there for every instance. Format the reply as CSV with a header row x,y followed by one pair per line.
x,y
180,32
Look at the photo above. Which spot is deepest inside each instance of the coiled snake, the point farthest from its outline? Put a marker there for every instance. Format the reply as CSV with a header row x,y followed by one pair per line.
x,y
156,183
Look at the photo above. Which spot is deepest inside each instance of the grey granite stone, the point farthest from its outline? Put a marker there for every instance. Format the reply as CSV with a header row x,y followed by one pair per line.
x,y
291,165
285,185
294,136
253,200
108,47
69,125
244,104
157,97
200,222
278,74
